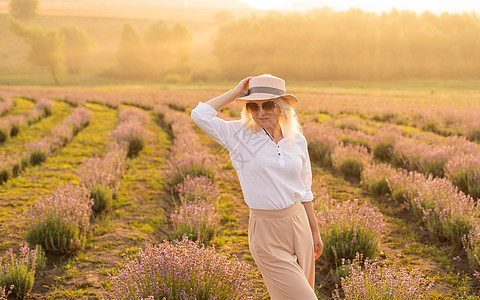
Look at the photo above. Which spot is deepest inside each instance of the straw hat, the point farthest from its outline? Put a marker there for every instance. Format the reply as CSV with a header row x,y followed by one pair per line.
x,y
266,87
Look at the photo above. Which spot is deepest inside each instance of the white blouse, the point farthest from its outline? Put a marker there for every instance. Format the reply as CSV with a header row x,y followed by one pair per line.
x,y
272,175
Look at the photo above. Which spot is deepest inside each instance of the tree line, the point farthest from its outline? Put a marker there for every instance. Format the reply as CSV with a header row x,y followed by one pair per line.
x,y
163,50
318,45
324,44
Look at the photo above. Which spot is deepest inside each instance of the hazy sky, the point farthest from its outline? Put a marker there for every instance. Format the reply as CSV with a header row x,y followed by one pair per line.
x,y
372,5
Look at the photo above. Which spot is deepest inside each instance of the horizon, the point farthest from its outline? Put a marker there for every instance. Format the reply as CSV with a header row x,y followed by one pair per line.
x,y
377,6
435,6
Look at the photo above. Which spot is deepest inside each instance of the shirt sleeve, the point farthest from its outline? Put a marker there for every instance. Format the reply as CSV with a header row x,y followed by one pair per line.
x,y
306,174
220,130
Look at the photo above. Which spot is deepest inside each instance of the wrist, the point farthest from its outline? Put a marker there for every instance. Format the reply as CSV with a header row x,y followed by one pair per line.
x,y
235,93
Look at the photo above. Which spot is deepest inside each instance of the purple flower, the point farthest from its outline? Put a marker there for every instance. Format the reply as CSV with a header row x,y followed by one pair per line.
x,y
182,270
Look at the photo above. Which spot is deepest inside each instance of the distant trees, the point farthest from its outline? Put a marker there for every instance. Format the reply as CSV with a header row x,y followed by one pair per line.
x,y
46,46
223,16
131,54
78,46
158,40
182,47
52,48
23,8
324,44
163,50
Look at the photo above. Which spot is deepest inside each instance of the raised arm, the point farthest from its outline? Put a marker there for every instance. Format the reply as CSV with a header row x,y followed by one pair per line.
x,y
218,102
220,130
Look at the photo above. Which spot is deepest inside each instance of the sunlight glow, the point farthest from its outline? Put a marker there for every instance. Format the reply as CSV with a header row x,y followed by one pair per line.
x,y
435,6
270,4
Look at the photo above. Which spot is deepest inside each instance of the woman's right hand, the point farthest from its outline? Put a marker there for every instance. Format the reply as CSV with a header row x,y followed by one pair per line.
x,y
242,86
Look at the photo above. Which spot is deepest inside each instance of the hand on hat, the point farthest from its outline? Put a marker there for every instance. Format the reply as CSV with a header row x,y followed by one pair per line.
x,y
242,87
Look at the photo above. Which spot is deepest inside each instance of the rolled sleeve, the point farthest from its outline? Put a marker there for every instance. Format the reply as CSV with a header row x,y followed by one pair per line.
x,y
306,175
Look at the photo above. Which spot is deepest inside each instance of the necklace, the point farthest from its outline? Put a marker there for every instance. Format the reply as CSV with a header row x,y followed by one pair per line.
x,y
269,135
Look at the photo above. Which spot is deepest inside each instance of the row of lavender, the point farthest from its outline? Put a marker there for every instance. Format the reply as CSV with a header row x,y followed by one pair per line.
x,y
188,175
185,269
12,164
351,232
11,125
18,271
6,104
453,157
441,115
451,115
446,212
61,222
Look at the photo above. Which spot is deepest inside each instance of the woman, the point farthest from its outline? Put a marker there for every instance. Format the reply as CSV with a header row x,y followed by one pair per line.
x,y
271,158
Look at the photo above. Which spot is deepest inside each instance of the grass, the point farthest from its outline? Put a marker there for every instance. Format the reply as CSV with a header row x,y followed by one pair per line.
x,y
38,130
404,240
137,217
21,106
140,212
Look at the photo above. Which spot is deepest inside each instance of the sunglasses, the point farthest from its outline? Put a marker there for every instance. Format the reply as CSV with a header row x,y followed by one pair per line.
x,y
266,106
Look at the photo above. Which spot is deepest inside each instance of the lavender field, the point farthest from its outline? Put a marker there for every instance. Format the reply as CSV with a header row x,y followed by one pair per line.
x,y
114,193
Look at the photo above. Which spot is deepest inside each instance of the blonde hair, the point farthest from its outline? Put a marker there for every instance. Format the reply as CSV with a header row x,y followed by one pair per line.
x,y
287,119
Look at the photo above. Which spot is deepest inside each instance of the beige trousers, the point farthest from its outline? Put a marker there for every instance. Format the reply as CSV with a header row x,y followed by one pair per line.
x,y
281,244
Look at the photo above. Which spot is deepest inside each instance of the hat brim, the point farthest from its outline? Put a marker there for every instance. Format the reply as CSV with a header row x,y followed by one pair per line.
x,y
260,96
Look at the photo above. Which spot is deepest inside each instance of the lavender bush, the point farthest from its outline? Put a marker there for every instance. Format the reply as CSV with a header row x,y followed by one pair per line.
x,y
376,281
106,171
16,122
464,172
5,129
414,155
350,160
64,133
462,144
348,123
179,166
356,137
130,130
6,163
321,143
129,114
34,115
182,270
102,176
19,270
39,151
131,133
471,244
59,137
347,228
383,142
45,106
373,178
78,120
199,220
473,131
198,188
447,213
400,180
182,162
6,105
60,222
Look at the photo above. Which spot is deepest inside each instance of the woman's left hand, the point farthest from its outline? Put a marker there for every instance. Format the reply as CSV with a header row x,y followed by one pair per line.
x,y
317,245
